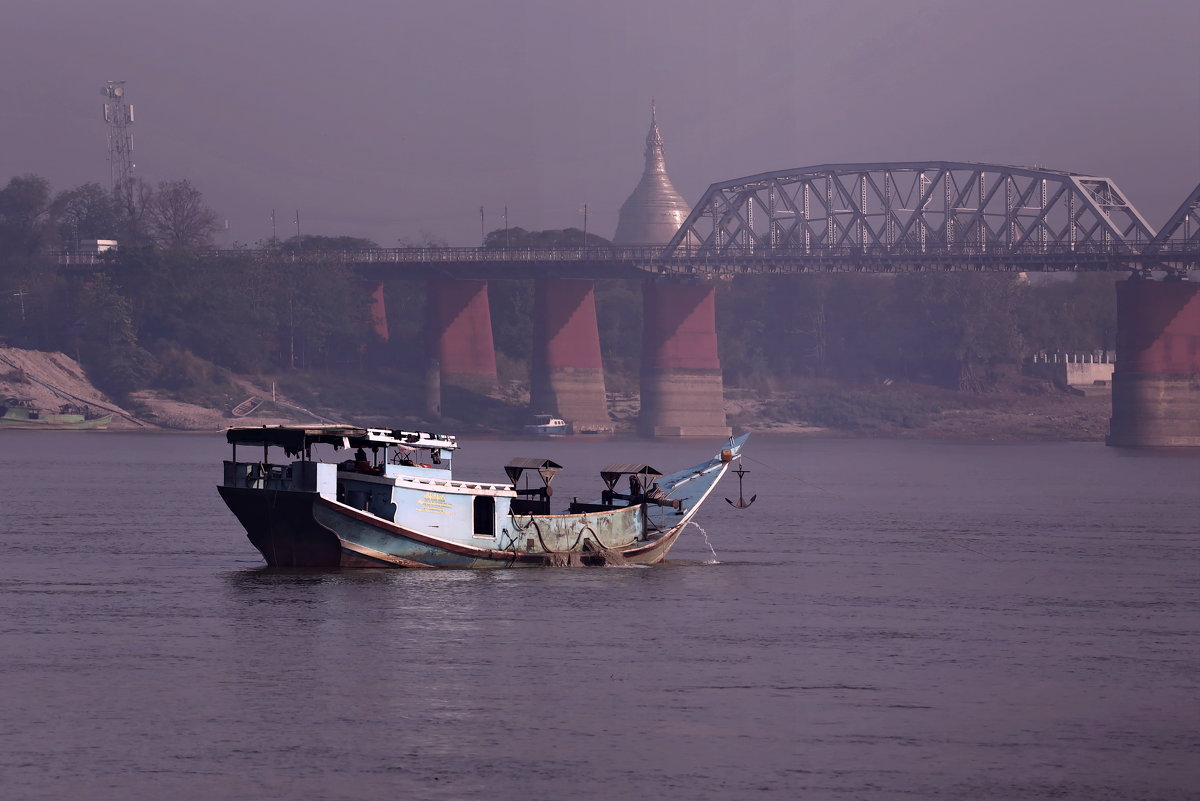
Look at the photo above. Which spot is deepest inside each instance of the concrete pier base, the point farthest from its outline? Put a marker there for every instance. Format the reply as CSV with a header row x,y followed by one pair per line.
x,y
567,372
683,392
459,326
377,312
1156,384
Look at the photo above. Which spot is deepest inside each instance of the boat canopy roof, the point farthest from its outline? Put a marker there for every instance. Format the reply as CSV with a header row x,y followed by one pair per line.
x,y
294,439
611,472
546,468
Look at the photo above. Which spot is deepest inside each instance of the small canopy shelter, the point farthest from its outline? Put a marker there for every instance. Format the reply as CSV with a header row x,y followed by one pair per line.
x,y
545,468
531,500
611,473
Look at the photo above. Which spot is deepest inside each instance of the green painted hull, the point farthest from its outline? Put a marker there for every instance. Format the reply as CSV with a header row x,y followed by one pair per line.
x,y
19,419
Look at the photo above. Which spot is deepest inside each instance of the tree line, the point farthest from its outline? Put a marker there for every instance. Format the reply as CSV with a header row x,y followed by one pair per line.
x,y
159,312
967,331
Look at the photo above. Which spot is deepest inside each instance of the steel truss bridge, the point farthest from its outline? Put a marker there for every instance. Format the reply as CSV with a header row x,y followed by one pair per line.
x,y
900,217
932,216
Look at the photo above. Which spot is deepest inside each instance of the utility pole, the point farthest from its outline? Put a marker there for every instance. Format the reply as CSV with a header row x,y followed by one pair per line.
x,y
20,295
506,226
482,228
585,225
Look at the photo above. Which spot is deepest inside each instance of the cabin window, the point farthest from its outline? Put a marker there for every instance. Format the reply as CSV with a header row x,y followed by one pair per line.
x,y
485,516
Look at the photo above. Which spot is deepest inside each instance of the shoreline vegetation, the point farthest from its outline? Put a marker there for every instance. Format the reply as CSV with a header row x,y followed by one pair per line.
x,y
1022,409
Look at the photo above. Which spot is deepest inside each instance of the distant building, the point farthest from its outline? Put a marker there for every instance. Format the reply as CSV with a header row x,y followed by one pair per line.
x,y
96,245
655,210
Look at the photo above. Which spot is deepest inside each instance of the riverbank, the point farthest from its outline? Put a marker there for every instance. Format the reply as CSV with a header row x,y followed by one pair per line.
x,y
1021,410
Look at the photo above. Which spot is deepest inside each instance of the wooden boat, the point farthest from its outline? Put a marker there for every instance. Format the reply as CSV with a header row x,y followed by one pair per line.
x,y
23,413
396,504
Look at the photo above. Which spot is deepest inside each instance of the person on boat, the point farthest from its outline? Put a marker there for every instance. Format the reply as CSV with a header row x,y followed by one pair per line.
x,y
360,460
635,488
634,496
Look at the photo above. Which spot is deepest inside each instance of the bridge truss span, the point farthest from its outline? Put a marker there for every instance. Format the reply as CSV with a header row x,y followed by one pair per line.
x,y
1184,225
914,215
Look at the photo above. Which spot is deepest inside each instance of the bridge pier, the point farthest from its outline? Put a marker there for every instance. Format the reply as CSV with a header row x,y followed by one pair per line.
x,y
682,389
1156,383
567,372
459,325
377,311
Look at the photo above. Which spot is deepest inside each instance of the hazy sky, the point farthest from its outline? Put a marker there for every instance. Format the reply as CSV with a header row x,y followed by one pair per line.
x,y
384,118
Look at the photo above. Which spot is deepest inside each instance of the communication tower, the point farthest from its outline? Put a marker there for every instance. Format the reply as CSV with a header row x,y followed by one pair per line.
x,y
118,114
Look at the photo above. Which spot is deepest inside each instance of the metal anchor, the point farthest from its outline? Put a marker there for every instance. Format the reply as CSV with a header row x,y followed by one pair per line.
x,y
741,502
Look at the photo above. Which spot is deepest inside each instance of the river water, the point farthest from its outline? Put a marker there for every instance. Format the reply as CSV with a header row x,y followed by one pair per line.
x,y
890,619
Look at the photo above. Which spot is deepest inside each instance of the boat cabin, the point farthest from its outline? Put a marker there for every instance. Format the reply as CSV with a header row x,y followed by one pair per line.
x,y
24,406
368,451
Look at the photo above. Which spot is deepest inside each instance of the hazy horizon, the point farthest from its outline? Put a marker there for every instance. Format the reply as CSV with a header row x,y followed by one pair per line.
x,y
383,121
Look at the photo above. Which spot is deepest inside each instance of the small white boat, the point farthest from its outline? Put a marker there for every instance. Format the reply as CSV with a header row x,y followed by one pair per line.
x,y
545,425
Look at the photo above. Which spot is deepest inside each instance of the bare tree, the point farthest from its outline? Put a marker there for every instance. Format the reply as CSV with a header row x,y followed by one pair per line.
x,y
133,199
178,216
86,212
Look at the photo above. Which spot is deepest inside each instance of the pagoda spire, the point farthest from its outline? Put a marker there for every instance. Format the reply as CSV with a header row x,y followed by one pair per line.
x,y
656,161
655,210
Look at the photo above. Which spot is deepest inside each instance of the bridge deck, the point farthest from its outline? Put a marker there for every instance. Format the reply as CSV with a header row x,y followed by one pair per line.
x,y
632,263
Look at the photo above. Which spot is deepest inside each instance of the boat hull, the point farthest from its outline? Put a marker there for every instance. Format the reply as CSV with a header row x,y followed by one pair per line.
x,y
334,515
55,422
280,524
303,529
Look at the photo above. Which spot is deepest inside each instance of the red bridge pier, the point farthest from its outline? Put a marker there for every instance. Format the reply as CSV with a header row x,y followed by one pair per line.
x,y
1156,383
681,384
567,372
682,390
459,326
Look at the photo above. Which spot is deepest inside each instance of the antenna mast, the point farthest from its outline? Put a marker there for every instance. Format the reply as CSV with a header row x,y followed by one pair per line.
x,y
118,114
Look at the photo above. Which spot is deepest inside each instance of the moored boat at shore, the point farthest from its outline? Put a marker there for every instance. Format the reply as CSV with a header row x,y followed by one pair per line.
x,y
23,413
396,504
547,425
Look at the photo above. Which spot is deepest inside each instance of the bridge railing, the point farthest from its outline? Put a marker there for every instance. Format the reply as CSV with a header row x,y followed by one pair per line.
x,y
435,255
431,255
689,258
